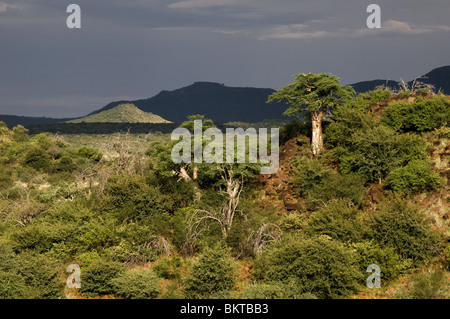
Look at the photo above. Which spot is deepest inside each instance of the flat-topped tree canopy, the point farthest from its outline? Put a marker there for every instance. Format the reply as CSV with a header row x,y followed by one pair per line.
x,y
317,94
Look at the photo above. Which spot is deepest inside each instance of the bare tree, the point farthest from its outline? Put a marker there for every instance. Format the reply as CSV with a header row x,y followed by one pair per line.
x,y
129,157
224,216
266,234
417,85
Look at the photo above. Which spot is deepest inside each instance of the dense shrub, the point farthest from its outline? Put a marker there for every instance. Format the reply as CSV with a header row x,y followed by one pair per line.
x,y
137,284
419,116
309,172
214,272
263,291
321,266
40,237
366,99
320,183
339,221
37,158
372,153
42,140
12,285
368,253
337,186
97,278
133,199
404,227
345,121
29,276
90,153
375,152
169,268
20,133
415,176
65,164
277,290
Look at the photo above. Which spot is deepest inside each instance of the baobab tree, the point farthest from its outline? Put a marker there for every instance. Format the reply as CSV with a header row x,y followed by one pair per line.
x,y
317,94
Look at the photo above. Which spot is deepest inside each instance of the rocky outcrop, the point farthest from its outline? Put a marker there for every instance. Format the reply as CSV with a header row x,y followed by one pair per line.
x,y
278,187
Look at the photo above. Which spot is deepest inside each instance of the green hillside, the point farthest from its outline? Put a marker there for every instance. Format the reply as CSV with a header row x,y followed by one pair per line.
x,y
123,113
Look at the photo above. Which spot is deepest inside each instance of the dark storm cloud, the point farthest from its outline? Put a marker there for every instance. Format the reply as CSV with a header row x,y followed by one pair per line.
x,y
133,49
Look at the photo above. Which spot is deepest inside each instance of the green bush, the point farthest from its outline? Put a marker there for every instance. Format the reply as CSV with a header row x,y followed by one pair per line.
x,y
415,176
339,221
40,237
320,266
169,268
375,152
97,278
90,153
65,164
337,186
37,158
12,285
214,272
42,140
320,183
372,153
410,147
307,173
30,276
419,116
133,199
273,291
20,133
365,100
404,228
263,291
345,121
137,284
386,258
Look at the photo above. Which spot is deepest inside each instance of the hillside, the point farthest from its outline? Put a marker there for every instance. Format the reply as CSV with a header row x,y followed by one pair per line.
x,y
123,113
216,101
139,226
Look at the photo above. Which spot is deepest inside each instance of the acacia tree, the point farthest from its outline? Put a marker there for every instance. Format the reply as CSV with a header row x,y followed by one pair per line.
x,y
317,94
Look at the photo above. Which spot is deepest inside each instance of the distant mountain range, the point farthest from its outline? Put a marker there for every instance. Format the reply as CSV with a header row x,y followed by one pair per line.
x,y
214,100
217,102
439,78
14,120
122,113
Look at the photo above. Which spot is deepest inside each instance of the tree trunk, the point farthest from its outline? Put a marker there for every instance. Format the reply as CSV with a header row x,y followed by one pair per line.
x,y
317,136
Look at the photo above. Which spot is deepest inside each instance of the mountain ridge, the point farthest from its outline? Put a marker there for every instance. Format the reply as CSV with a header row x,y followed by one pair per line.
x,y
438,77
227,104
214,100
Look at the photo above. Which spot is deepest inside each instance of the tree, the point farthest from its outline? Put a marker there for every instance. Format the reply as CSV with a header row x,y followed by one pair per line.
x,y
317,94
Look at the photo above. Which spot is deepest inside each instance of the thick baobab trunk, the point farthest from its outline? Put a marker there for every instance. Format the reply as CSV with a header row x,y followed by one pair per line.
x,y
317,136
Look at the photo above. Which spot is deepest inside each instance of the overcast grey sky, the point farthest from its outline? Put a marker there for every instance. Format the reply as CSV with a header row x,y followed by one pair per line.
x,y
136,48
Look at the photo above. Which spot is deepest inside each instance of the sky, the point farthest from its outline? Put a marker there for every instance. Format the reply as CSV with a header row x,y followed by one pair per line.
x,y
133,49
